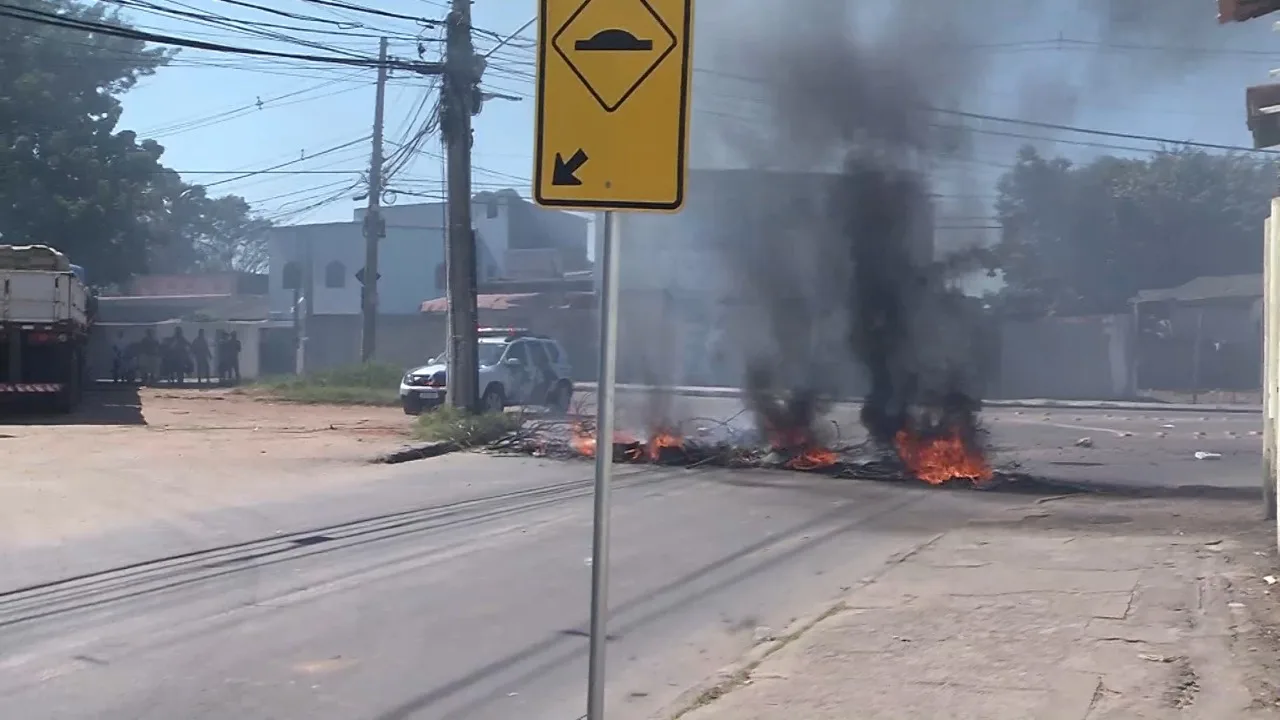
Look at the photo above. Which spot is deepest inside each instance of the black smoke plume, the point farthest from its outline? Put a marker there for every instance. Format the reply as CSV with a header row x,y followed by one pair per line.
x,y
858,263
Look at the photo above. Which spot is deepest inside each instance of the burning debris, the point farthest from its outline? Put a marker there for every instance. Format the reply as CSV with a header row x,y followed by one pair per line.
x,y
941,460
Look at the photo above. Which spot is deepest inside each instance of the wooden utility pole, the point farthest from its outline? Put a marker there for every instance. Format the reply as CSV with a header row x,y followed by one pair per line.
x,y
463,69
374,226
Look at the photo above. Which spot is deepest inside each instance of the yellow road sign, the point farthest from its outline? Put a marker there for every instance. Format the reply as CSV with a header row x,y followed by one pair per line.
x,y
613,104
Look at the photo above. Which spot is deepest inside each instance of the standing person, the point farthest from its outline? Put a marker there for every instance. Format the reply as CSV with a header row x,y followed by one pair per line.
x,y
200,352
233,354
117,358
180,355
223,359
148,356
166,359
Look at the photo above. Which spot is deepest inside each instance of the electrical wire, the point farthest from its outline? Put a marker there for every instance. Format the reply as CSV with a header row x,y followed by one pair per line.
x,y
279,166
181,126
55,20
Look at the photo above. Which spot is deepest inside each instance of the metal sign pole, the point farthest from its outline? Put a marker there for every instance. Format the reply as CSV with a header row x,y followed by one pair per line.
x,y
604,466
1271,324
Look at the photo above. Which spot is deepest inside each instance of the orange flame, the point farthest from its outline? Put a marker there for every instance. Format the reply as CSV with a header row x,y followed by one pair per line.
x,y
584,441
813,458
663,439
806,453
941,458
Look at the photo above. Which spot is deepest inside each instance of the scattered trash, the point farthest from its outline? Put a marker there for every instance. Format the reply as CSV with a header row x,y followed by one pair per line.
x,y
1084,442
1157,658
1126,434
1202,455
1160,434
1213,542
1270,579
1255,433
1168,426
1198,433
1236,605
763,634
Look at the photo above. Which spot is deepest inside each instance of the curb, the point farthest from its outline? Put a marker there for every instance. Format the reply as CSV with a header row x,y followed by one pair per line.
x,y
738,673
415,452
1030,403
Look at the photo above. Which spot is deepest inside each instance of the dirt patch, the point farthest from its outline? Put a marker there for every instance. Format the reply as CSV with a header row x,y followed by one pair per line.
x,y
158,453
1255,634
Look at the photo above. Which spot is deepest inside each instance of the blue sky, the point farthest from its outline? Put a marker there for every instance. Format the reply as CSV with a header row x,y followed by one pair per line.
x,y
204,107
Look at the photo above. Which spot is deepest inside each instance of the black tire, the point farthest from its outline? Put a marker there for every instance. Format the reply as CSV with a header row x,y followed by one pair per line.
x,y
494,399
560,397
411,405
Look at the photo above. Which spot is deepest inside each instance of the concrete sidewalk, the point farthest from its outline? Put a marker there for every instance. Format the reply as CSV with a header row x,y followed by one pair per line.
x,y
1066,610
1152,406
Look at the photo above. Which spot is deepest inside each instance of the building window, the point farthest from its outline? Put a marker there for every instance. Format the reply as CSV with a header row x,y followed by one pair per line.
x,y
335,275
292,276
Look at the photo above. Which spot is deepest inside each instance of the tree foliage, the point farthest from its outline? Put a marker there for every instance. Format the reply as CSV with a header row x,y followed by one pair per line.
x,y
1086,238
70,178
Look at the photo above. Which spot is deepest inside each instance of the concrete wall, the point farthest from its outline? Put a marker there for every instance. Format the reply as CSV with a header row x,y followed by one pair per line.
x,y
1066,358
403,340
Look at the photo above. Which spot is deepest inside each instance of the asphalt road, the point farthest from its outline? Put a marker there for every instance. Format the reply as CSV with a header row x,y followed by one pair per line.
x,y
457,587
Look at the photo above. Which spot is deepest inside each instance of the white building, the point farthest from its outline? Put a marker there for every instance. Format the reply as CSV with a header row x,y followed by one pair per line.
x,y
514,239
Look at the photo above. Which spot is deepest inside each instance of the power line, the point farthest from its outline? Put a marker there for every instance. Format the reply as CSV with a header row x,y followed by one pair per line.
x,y
271,172
54,20
427,22
221,21
274,168
1101,133
181,126
1028,123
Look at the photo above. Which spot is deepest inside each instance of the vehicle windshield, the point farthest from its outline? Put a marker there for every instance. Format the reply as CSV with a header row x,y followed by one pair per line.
x,y
491,353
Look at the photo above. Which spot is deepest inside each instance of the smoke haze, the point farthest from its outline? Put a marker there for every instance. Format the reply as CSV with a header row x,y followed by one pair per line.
x,y
833,258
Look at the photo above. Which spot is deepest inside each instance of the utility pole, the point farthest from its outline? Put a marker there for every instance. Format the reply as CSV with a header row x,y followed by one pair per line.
x,y
461,77
374,226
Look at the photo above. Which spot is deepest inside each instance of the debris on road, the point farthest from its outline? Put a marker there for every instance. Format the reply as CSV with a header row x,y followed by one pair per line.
x,y
1085,442
1203,455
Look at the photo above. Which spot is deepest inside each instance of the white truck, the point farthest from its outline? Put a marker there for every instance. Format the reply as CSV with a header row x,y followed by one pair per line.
x,y
46,311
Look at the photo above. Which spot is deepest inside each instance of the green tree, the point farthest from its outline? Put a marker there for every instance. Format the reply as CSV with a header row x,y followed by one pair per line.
x,y
196,232
1086,238
70,178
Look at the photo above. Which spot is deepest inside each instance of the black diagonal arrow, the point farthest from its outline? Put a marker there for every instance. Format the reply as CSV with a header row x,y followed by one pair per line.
x,y
564,172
